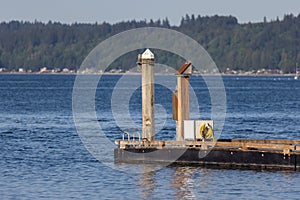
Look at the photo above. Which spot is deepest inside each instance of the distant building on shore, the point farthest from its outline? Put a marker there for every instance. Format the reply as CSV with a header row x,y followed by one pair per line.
x,y
43,70
2,69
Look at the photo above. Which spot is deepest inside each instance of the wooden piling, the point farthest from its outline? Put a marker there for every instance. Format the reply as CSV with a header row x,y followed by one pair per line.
x,y
183,112
147,62
183,98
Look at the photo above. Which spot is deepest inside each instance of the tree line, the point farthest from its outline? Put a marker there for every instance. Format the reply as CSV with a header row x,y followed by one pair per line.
x,y
250,46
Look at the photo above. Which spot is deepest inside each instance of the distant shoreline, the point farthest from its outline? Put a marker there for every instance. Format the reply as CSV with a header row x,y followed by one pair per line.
x,y
159,74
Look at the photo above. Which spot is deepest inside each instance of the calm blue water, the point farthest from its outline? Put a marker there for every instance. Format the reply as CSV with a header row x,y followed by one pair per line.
x,y
42,157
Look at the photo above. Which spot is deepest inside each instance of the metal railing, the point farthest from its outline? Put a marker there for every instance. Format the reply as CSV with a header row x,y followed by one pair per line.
x,y
128,135
134,135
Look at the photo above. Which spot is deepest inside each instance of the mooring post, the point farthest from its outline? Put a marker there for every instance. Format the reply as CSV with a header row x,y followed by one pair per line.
x,y
183,98
146,60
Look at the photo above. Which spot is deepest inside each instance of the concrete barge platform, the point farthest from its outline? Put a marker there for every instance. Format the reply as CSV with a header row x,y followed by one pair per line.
x,y
235,153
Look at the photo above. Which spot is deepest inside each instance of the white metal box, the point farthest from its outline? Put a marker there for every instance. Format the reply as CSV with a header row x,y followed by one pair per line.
x,y
191,128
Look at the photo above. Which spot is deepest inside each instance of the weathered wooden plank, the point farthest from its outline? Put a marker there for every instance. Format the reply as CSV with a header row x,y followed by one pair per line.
x,y
217,144
272,141
175,105
286,149
233,143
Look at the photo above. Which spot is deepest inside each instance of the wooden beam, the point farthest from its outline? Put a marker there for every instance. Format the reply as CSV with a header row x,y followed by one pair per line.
x,y
183,103
271,141
240,145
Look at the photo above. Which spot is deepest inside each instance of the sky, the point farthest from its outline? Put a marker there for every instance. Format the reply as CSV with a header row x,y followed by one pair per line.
x,y
113,11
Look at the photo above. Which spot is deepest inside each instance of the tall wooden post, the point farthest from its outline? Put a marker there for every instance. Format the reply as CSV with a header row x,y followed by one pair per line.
x,y
183,98
183,105
147,62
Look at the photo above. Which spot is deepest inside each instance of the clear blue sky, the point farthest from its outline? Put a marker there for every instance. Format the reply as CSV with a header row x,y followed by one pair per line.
x,y
69,11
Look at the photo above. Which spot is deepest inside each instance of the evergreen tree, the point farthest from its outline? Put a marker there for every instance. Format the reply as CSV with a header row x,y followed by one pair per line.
x,y
269,44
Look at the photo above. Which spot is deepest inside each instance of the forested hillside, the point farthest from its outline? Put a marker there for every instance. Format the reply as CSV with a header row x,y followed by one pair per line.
x,y
251,46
